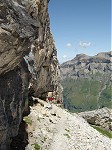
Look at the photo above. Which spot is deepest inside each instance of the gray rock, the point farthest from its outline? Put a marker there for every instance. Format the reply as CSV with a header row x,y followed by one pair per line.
x,y
67,132
101,117
24,33
83,66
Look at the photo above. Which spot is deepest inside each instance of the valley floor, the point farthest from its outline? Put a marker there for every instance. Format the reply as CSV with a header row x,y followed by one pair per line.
x,y
57,129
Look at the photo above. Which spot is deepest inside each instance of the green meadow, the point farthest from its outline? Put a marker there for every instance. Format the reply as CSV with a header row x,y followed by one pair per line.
x,y
86,94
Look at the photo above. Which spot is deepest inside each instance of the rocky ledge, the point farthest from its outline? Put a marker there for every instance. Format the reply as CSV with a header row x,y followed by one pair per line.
x,y
53,128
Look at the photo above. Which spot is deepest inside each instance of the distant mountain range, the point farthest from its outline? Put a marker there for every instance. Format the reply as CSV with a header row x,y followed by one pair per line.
x,y
87,82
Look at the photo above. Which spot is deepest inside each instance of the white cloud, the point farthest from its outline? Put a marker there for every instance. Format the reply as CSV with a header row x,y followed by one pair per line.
x,y
84,44
69,45
64,56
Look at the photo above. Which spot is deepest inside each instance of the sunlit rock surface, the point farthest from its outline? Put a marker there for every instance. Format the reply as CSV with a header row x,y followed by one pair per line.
x,y
28,60
101,117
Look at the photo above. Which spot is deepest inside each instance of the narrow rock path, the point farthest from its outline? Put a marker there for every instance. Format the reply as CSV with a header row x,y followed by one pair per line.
x,y
57,129
60,137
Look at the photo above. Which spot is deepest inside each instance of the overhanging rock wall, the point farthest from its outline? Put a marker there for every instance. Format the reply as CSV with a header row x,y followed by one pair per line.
x,y
28,58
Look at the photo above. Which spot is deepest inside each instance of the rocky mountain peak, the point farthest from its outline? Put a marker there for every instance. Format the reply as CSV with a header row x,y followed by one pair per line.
x,y
104,55
82,65
87,82
81,56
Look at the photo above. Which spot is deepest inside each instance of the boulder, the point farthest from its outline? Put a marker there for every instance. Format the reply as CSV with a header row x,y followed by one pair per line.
x,y
101,117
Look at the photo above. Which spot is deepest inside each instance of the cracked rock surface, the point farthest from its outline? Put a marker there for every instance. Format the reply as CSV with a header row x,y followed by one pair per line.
x,y
28,61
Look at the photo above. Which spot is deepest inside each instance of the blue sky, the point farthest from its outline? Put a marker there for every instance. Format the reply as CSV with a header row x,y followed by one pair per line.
x,y
80,26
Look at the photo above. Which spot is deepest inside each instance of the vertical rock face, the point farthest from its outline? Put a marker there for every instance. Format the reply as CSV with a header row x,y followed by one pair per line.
x,y
28,59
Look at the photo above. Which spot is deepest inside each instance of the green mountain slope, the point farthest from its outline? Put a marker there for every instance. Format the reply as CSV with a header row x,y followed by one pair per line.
x,y
86,88
82,94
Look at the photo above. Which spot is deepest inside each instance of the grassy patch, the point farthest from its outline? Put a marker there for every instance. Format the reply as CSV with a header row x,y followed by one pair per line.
x,y
106,133
28,120
82,94
37,146
67,130
67,135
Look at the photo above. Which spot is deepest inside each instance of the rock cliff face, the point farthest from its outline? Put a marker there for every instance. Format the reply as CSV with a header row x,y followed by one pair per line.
x,y
28,61
83,66
87,82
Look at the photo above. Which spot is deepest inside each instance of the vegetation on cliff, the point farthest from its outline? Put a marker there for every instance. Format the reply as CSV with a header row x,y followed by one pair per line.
x,y
87,82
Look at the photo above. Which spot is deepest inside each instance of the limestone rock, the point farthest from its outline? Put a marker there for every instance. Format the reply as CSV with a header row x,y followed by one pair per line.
x,y
62,131
83,66
28,61
101,117
87,82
